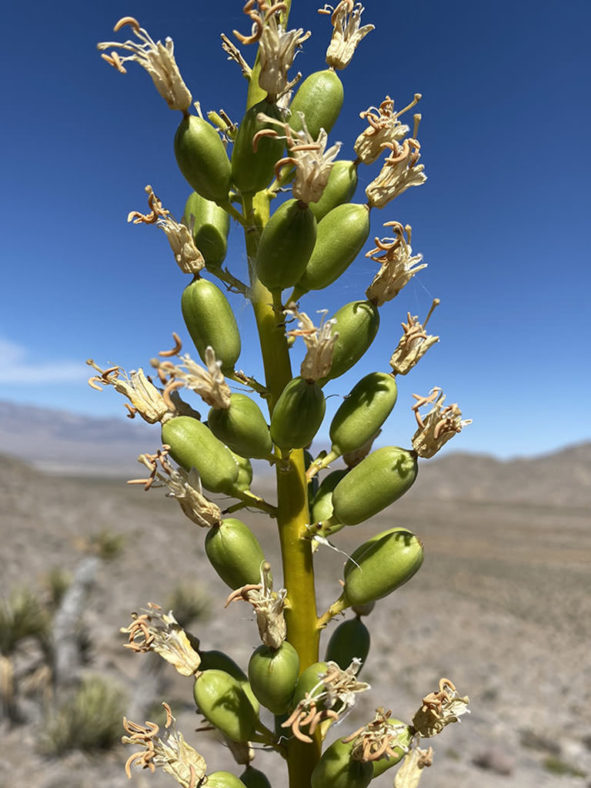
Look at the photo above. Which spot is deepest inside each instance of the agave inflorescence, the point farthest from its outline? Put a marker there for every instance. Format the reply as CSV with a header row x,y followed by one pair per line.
x,y
305,244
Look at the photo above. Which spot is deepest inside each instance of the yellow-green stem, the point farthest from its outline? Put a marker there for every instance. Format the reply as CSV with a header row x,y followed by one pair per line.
x,y
292,501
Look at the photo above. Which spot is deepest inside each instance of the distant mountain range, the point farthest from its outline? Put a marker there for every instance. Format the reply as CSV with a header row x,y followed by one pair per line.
x,y
65,443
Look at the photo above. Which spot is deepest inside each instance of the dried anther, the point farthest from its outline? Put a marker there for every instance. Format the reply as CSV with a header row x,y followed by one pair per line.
x,y
167,749
184,487
268,606
384,127
438,426
154,630
188,257
399,172
398,265
439,709
155,57
331,698
209,383
319,342
413,344
145,398
411,771
378,739
277,46
310,158
347,33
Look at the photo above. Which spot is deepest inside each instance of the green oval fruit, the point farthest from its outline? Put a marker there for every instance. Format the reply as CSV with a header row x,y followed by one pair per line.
x,y
202,158
298,414
320,97
380,479
340,238
381,565
356,324
253,170
309,680
286,245
253,778
339,189
242,427
218,660
235,553
337,769
209,225
244,479
211,322
322,508
224,703
403,740
273,674
349,641
224,780
193,445
364,410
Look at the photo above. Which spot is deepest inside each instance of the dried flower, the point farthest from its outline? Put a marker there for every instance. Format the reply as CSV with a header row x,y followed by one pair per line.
x,y
347,33
319,341
277,46
160,632
384,127
209,383
398,265
268,606
158,60
440,709
189,258
413,344
399,172
411,771
168,750
145,398
438,426
310,158
330,699
184,487
379,739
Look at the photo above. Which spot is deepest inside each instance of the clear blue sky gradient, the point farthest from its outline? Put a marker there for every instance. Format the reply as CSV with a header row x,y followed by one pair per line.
x,y
501,220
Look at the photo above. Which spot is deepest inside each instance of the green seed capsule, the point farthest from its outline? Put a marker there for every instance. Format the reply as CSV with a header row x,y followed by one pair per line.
x,y
337,769
309,680
193,445
273,674
253,778
253,170
242,427
224,703
218,660
349,641
202,159
379,480
235,553
403,739
381,565
286,245
298,414
211,322
322,508
357,324
364,410
224,780
320,98
244,479
210,225
340,238
340,188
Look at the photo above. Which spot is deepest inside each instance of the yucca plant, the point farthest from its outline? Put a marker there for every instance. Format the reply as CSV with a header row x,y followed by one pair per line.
x,y
295,244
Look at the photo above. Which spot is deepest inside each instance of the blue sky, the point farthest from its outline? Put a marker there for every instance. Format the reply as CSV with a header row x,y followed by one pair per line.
x,y
500,221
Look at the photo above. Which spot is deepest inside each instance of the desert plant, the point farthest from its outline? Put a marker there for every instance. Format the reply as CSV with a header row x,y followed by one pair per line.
x,y
306,244
88,719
